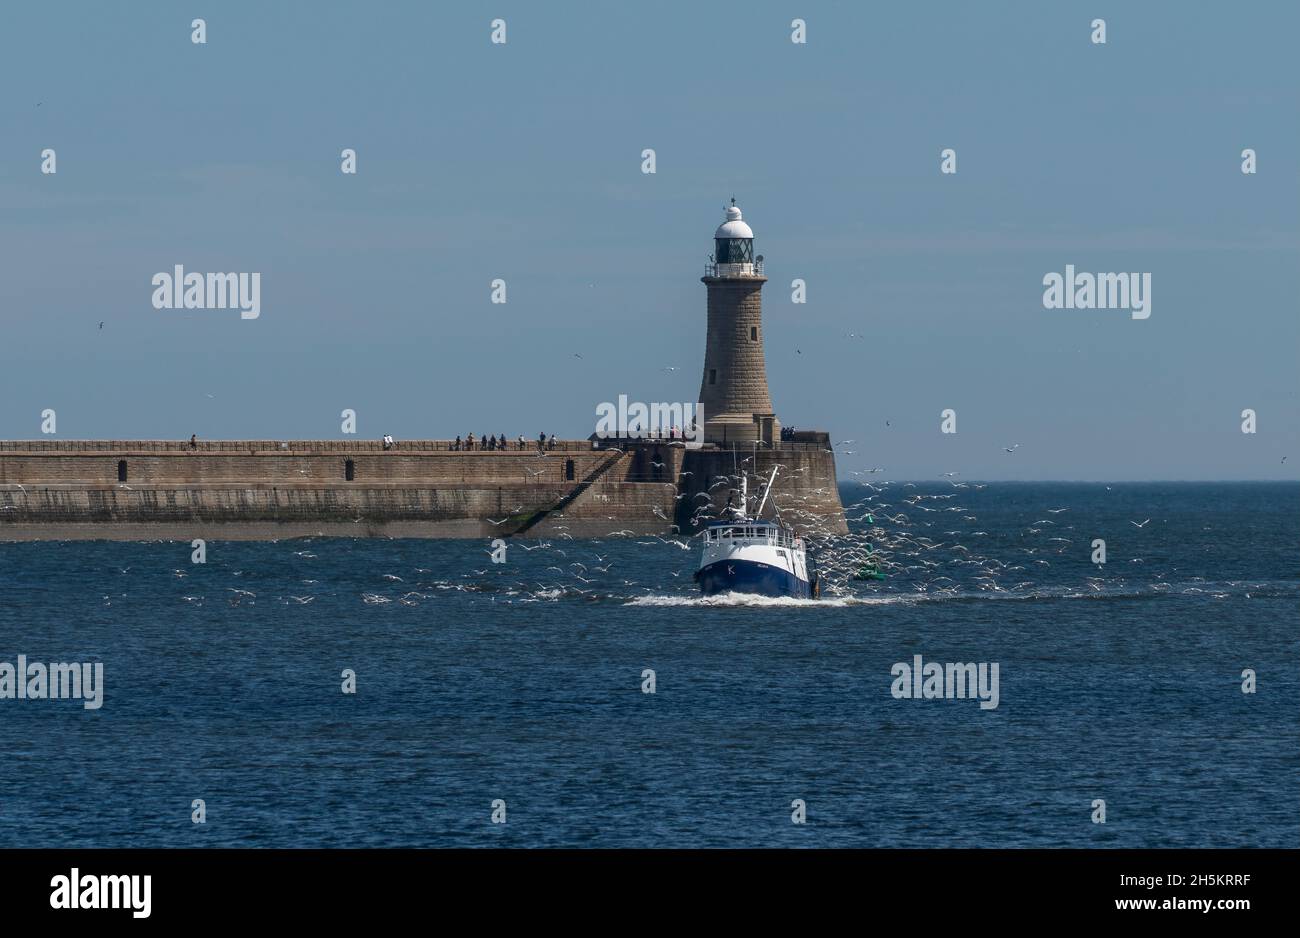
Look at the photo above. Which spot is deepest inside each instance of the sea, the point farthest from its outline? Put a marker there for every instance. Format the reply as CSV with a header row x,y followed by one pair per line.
x,y
580,693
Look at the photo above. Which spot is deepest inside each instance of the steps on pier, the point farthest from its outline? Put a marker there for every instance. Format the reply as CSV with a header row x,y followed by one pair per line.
x,y
615,457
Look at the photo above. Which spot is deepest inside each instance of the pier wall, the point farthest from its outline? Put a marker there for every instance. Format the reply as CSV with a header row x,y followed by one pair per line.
x,y
54,490
322,466
806,493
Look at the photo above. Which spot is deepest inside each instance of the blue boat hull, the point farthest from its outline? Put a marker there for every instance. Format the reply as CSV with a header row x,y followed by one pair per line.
x,y
743,576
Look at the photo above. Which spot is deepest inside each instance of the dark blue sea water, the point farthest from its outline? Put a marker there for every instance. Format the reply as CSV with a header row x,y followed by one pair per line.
x,y
522,682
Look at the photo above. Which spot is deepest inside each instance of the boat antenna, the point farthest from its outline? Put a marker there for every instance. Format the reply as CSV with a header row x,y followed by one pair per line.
x,y
740,480
759,514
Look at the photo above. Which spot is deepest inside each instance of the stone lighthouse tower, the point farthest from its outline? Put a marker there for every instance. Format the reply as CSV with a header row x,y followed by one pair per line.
x,y
733,392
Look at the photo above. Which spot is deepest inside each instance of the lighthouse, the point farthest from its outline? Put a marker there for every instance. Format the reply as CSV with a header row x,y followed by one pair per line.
x,y
733,391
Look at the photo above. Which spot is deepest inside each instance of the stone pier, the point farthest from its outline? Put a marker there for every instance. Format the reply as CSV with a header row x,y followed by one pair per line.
x,y
267,489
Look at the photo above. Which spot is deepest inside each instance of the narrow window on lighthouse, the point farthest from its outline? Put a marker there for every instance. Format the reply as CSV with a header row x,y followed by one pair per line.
x,y
753,333
121,470
713,376
350,470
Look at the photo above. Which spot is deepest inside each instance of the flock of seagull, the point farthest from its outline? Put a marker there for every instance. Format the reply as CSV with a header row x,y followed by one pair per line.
x,y
924,540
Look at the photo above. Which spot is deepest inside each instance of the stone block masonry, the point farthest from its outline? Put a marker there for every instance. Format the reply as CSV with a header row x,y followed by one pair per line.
x,y
258,490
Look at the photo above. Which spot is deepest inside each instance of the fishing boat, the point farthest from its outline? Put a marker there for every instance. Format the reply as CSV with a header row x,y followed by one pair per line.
x,y
743,554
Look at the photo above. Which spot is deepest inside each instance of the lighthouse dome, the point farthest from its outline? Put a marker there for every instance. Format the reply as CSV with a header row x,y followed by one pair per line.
x,y
733,227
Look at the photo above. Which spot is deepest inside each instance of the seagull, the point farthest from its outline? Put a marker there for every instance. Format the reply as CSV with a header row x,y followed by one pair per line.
x,y
1011,449
1142,525
101,324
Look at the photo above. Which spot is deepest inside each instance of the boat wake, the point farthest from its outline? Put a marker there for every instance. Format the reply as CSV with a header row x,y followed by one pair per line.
x,y
779,602
1048,594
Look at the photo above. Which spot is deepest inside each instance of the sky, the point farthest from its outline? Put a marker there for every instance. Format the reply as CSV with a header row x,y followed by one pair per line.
x,y
523,161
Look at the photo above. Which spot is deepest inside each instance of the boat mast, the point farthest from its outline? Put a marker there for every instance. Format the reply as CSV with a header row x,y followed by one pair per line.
x,y
759,514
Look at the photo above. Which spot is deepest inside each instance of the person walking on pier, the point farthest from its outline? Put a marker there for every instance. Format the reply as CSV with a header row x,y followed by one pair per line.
x,y
523,444
194,441
541,442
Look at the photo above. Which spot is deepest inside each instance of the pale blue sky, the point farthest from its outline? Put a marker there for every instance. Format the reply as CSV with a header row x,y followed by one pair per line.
x,y
523,162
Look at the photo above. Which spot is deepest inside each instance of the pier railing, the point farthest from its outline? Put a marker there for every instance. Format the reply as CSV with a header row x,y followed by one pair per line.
x,y
300,447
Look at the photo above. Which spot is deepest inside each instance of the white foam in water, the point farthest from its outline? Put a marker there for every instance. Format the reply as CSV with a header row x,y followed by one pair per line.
x,y
840,602
753,599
